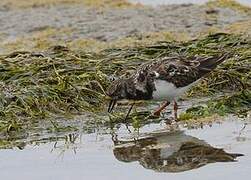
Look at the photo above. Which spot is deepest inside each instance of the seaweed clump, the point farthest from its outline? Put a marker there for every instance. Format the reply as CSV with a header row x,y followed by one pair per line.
x,y
38,85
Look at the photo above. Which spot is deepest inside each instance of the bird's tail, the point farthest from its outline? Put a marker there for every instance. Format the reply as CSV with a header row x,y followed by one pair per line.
x,y
208,64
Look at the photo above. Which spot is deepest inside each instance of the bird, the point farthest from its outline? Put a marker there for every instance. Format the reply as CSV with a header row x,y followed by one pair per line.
x,y
163,79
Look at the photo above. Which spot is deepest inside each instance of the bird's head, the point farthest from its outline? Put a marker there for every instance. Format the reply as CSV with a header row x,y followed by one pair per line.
x,y
139,86
118,90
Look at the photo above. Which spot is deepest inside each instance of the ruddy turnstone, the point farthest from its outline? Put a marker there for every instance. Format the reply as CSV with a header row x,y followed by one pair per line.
x,y
163,79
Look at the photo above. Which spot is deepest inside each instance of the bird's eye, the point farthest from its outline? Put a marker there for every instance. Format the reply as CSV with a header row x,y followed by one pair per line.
x,y
112,78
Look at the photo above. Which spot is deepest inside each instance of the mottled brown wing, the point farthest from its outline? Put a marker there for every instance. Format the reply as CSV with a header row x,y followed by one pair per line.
x,y
178,73
183,71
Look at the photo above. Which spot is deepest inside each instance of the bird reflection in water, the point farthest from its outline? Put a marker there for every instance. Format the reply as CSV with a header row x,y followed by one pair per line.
x,y
170,152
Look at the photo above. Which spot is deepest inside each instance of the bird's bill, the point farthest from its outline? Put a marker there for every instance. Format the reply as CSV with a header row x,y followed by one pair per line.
x,y
111,105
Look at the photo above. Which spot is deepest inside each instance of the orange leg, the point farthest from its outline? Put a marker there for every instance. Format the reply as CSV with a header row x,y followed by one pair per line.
x,y
161,108
175,108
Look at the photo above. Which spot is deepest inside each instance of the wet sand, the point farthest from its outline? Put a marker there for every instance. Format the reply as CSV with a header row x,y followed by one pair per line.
x,y
81,22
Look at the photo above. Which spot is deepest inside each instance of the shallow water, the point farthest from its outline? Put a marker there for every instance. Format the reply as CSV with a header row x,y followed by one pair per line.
x,y
153,152
161,2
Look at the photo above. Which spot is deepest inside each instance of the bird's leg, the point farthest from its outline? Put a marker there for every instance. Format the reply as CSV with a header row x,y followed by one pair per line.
x,y
111,105
127,115
175,108
129,111
163,106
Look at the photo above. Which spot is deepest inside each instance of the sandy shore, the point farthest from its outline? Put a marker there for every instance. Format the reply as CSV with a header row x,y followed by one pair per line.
x,y
64,23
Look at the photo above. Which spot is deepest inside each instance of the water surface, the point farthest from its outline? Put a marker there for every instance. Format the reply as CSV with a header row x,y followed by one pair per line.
x,y
144,155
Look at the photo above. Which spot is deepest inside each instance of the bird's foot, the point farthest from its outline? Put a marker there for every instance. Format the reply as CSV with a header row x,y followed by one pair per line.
x,y
172,127
170,121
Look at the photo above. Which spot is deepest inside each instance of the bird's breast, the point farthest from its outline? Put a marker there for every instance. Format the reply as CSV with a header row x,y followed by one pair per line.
x,y
164,90
167,91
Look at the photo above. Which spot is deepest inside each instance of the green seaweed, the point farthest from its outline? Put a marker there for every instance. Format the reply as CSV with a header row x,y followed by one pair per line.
x,y
238,104
62,82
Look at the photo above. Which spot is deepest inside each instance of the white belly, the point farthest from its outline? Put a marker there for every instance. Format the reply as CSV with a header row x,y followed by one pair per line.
x,y
168,91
